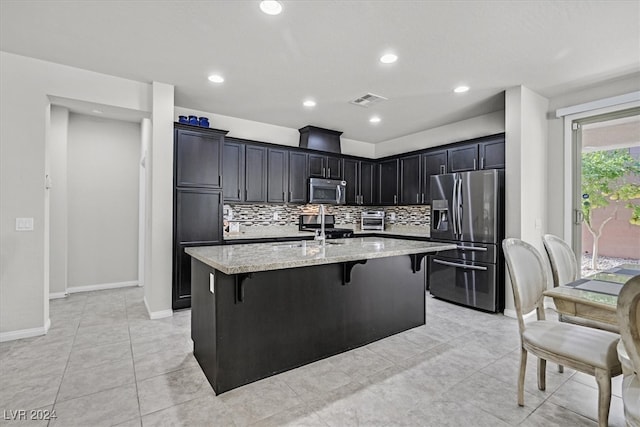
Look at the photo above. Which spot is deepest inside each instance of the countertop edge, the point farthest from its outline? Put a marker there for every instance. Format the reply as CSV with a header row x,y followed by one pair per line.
x,y
281,265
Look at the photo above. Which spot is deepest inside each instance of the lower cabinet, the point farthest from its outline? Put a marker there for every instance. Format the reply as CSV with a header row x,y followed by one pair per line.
x,y
197,222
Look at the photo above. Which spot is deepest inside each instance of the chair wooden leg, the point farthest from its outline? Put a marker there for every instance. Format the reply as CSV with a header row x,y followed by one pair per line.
x,y
604,396
542,374
523,368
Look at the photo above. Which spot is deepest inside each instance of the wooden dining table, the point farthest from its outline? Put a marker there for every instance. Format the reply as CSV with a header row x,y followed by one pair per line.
x,y
594,297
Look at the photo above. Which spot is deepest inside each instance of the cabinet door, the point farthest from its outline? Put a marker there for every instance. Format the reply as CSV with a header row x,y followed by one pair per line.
x,y
317,166
368,189
350,168
255,174
277,176
298,177
233,172
410,180
434,163
198,159
388,182
198,216
463,158
198,222
334,168
492,154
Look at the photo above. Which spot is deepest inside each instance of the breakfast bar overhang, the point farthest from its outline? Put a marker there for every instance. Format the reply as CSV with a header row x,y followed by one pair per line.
x,y
261,309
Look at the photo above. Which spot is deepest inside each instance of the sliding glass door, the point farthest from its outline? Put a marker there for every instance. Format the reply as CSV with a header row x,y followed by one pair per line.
x,y
606,189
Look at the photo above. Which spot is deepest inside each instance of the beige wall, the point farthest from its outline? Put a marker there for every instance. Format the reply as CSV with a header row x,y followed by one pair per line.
x,y
25,84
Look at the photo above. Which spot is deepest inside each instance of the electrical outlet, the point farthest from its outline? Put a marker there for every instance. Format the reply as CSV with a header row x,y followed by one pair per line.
x,y
347,215
276,216
392,216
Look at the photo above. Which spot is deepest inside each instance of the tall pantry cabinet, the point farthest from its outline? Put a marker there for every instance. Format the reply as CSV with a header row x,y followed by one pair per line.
x,y
197,200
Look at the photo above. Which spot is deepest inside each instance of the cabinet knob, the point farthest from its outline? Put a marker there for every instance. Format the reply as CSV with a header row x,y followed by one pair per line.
x,y
395,199
417,198
423,198
442,169
474,164
481,162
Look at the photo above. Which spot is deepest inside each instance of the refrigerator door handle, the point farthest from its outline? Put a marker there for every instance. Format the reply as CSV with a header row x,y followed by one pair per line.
x,y
459,208
471,248
454,204
455,264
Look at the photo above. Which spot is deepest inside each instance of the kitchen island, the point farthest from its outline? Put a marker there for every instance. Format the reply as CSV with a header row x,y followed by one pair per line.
x,y
264,308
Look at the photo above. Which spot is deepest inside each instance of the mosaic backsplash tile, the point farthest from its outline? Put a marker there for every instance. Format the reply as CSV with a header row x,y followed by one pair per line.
x,y
287,215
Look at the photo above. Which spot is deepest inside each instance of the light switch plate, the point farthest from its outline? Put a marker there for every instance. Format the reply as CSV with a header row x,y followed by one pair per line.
x,y
24,224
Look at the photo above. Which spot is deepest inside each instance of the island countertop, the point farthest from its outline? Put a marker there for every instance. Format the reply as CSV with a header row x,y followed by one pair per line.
x,y
249,258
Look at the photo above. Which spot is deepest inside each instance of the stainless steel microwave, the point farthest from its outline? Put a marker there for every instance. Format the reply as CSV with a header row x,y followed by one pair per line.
x,y
327,191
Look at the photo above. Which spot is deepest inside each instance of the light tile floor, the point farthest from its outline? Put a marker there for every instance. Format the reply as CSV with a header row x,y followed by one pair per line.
x,y
104,362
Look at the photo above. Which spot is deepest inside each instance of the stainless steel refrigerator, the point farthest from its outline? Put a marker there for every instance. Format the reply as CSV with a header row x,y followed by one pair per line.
x,y
467,208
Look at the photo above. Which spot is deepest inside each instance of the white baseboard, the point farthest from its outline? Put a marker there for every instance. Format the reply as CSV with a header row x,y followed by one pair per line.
x,y
25,333
101,287
157,314
56,295
510,313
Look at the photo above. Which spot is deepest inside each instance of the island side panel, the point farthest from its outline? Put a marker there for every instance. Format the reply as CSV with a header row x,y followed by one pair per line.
x,y
292,317
203,319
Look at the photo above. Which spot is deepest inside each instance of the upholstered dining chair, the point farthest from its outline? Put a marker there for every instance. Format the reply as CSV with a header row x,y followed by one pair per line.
x,y
629,349
588,350
564,269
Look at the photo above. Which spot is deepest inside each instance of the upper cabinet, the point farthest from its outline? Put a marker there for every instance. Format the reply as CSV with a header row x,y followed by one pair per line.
x,y
277,175
388,182
463,158
233,171
433,163
491,154
410,191
298,177
360,177
198,158
483,153
322,166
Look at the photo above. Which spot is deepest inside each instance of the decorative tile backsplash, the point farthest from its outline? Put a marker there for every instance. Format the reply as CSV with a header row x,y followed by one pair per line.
x,y
287,215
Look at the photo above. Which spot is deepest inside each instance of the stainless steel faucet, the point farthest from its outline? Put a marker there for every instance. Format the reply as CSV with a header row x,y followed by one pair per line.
x,y
322,236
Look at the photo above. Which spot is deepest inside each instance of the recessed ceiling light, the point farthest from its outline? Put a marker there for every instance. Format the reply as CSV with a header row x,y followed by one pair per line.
x,y
388,58
216,78
96,111
271,7
309,103
461,89
375,119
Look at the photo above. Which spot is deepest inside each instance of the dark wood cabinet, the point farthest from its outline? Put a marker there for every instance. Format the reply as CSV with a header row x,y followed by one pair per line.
x,y
351,170
368,183
233,172
198,222
410,191
322,166
197,198
360,178
463,158
197,159
255,174
298,177
388,182
433,163
277,175
492,154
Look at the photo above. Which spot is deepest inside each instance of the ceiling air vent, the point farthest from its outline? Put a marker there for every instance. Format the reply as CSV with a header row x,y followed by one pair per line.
x,y
368,100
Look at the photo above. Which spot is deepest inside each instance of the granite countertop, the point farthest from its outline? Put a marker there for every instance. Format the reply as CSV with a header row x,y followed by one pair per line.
x,y
293,232
254,257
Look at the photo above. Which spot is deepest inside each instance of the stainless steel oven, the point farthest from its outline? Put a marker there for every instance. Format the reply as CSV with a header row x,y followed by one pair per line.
x,y
372,220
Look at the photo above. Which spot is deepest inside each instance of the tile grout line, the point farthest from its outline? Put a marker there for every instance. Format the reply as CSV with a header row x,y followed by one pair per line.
x,y
133,361
66,366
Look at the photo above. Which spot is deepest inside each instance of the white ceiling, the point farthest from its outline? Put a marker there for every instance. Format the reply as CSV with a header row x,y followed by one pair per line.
x,y
329,50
